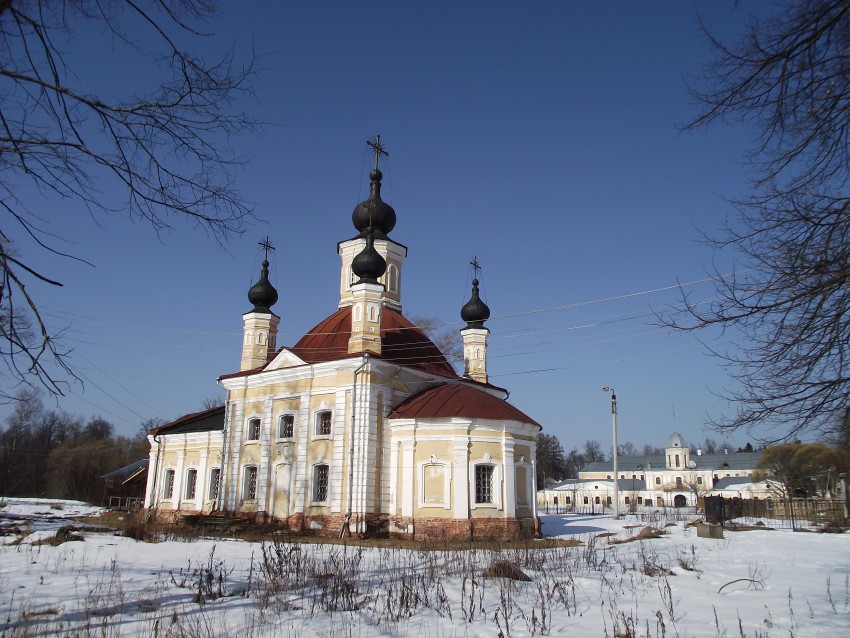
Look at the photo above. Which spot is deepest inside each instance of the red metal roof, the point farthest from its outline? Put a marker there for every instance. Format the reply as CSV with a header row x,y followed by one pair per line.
x,y
401,342
459,400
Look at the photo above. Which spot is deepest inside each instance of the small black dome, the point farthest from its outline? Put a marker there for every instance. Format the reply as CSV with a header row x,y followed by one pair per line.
x,y
368,264
475,312
374,212
262,294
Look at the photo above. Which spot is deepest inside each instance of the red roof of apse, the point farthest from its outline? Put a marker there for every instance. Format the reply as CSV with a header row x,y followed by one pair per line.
x,y
457,400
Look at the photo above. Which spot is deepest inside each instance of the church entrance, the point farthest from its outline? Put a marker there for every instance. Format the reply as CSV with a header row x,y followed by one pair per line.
x,y
680,500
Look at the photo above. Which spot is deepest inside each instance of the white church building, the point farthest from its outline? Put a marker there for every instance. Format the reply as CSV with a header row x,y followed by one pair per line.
x,y
362,425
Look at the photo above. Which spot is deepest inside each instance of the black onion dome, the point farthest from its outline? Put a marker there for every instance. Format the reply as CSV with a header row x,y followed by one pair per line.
x,y
368,264
262,294
374,211
475,312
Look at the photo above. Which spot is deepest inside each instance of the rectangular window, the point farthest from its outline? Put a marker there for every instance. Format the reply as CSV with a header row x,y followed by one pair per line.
x,y
249,484
585,500
168,485
484,483
596,500
254,430
640,500
627,500
699,480
658,480
191,484
323,423
679,481
567,500
677,460
286,426
215,476
320,483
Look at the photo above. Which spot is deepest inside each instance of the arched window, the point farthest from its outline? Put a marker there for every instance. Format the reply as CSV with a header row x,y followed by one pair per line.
x,y
168,484
392,278
484,483
215,479
249,483
253,433
321,474
286,426
323,423
191,483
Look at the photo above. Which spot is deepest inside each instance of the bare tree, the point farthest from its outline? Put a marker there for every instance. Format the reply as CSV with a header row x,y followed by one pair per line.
x,y
162,151
789,298
445,336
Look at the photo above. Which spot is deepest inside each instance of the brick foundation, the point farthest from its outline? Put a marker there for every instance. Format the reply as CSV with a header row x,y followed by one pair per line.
x,y
382,526
476,529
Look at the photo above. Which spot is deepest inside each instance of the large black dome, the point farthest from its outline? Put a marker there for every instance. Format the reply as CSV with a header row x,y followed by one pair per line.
x,y
475,312
374,212
262,294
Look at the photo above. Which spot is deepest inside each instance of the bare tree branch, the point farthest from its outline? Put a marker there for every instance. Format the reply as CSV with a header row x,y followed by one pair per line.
x,y
167,151
789,302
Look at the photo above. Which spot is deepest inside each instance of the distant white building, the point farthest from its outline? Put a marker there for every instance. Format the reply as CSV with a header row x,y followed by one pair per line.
x,y
677,478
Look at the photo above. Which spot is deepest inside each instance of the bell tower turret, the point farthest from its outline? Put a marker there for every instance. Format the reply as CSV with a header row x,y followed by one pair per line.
x,y
259,338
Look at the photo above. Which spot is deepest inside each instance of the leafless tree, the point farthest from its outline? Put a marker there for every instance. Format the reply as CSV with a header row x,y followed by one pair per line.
x,y
789,299
162,150
445,336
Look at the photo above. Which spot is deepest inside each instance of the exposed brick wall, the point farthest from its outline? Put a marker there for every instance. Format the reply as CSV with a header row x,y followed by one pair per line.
x,y
377,526
473,529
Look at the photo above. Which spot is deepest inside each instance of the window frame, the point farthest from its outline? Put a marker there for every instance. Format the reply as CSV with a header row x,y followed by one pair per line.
x,y
168,484
317,421
249,487
214,484
316,484
485,494
253,424
191,484
280,422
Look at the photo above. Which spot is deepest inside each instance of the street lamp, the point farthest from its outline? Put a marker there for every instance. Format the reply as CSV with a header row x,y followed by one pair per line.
x,y
614,417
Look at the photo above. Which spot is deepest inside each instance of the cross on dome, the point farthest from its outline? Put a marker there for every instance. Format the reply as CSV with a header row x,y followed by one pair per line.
x,y
378,148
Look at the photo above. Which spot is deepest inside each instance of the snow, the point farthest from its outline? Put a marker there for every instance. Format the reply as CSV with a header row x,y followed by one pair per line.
x,y
765,583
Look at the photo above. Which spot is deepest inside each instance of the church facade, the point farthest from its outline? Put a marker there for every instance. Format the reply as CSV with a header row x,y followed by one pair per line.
x,y
362,426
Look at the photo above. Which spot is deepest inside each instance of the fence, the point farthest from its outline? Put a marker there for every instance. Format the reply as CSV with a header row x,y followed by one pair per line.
x,y
798,512
125,503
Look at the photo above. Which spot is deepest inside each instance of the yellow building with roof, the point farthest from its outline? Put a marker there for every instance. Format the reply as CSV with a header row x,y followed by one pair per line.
x,y
362,426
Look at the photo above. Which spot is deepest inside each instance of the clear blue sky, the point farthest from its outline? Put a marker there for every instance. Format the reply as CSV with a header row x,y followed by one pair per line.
x,y
540,137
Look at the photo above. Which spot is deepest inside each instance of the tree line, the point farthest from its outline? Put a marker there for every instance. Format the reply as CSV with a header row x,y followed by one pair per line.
x,y
54,454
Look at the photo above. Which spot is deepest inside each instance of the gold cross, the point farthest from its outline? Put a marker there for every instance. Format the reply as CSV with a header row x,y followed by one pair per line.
x,y
379,150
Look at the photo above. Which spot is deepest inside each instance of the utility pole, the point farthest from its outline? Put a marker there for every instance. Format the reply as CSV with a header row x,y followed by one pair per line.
x,y
616,478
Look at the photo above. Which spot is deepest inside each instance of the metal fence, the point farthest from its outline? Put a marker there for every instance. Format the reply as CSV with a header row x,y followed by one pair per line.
x,y
791,513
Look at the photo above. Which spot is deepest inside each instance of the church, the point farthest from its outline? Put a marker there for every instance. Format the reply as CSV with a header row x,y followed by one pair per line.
x,y
362,426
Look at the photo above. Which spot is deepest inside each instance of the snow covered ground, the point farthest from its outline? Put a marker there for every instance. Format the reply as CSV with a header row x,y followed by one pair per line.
x,y
756,583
